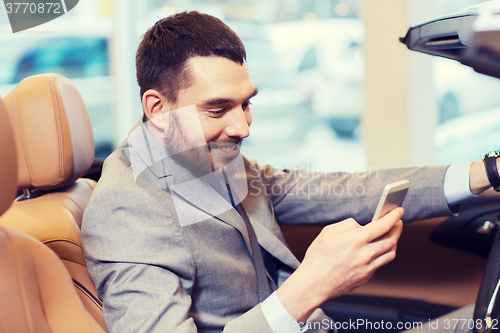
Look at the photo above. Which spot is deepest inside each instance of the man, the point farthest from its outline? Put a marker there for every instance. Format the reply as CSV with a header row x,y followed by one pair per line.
x,y
182,233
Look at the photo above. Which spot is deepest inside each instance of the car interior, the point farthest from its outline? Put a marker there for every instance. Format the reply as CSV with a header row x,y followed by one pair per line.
x,y
438,268
51,159
44,285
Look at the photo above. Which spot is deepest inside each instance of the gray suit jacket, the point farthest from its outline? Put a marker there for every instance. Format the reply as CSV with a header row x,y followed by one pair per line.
x,y
154,274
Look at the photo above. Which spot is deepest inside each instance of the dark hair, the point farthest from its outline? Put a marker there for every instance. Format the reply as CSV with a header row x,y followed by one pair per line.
x,y
170,42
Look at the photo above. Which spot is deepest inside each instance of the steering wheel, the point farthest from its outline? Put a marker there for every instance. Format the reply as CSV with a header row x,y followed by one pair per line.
x,y
488,299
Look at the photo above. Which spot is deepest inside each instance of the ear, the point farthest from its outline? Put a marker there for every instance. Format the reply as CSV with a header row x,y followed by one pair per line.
x,y
154,104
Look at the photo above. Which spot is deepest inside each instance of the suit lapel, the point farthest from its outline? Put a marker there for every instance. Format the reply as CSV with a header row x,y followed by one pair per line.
x,y
267,229
257,207
196,197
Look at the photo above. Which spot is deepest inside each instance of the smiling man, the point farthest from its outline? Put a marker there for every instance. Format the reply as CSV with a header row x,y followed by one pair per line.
x,y
221,92
182,232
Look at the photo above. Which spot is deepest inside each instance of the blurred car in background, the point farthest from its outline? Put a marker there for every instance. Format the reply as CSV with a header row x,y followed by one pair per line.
x,y
327,59
80,54
460,90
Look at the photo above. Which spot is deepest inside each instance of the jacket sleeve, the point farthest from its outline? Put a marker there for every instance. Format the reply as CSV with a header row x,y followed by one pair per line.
x,y
304,197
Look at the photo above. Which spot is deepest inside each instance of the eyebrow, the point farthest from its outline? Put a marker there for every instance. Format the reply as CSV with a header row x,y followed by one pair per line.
x,y
220,100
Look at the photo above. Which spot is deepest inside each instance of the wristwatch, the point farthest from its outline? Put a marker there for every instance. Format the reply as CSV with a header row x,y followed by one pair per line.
x,y
490,163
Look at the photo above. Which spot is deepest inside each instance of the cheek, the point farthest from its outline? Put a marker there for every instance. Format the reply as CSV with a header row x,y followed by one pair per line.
x,y
211,129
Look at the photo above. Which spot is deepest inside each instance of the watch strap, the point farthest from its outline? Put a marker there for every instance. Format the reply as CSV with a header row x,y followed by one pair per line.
x,y
490,164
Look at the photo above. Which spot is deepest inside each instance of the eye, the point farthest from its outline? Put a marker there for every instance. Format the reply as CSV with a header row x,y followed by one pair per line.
x,y
216,113
246,105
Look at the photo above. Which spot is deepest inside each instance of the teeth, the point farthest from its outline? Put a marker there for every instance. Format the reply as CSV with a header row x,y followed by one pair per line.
x,y
228,149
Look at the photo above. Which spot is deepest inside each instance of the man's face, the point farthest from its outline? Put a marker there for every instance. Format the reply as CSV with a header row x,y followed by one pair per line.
x,y
221,92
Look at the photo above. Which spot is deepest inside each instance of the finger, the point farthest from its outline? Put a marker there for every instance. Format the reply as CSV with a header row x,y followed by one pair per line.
x,y
383,225
387,247
401,232
387,240
386,243
382,260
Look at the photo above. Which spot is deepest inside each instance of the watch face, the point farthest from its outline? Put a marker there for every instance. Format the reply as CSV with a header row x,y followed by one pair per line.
x,y
494,154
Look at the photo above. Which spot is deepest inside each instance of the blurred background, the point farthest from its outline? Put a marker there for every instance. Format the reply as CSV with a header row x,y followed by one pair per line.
x,y
337,91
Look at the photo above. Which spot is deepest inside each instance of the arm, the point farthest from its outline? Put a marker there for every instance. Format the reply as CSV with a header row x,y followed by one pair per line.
x,y
344,255
302,197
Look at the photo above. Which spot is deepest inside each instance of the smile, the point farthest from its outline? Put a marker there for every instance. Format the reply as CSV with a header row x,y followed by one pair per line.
x,y
228,148
228,151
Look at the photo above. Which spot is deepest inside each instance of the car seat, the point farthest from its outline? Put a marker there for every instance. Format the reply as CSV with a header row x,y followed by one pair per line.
x,y
36,291
55,148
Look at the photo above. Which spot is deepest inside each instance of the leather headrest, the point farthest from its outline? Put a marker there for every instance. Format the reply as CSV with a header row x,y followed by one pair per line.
x,y
8,165
52,127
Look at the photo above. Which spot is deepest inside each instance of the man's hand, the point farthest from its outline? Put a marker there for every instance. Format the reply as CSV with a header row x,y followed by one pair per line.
x,y
343,256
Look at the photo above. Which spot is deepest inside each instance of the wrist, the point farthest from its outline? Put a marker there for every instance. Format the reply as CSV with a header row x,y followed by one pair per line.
x,y
478,180
297,297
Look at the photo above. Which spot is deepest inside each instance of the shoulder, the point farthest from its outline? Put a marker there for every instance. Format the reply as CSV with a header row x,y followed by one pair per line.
x,y
126,194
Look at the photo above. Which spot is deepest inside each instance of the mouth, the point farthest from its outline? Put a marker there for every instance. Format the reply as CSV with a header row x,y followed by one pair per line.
x,y
227,150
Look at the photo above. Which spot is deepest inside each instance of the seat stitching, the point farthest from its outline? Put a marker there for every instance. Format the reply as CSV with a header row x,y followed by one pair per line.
x,y
72,241
57,116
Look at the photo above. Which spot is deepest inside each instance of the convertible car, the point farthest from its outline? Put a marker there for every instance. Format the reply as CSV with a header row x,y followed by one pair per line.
x,y
48,163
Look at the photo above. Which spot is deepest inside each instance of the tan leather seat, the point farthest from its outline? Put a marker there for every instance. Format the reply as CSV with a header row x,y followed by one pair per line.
x,y
55,148
8,166
36,291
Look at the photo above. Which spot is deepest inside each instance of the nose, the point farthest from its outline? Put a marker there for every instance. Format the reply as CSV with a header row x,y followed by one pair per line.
x,y
239,124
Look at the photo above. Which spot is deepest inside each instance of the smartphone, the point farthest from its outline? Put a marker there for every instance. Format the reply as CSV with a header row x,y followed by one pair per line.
x,y
392,197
